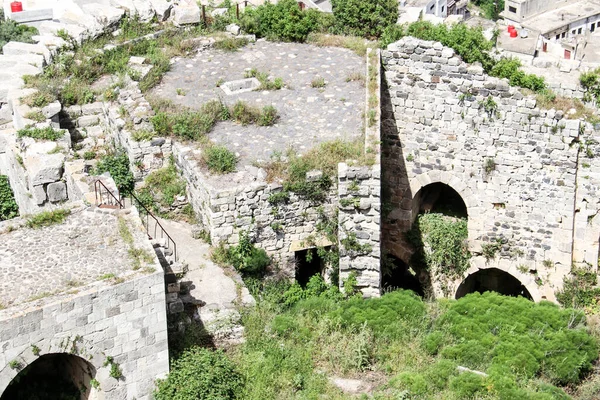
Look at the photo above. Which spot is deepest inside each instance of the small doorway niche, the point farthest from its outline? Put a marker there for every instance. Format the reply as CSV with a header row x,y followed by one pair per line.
x,y
492,280
397,275
308,264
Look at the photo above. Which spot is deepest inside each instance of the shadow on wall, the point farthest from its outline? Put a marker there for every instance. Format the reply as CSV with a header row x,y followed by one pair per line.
x,y
492,280
53,376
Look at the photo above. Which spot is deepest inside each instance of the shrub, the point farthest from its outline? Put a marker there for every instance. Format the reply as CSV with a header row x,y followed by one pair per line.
x,y
283,21
10,31
366,18
440,243
528,338
47,218
161,188
8,206
243,113
580,289
381,314
230,44
219,159
510,68
590,81
201,374
118,167
268,116
47,133
245,257
468,385
89,155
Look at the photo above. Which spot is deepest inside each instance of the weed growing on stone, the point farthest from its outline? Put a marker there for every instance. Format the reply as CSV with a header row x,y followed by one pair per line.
x,y
47,218
36,116
230,44
106,276
356,77
489,166
142,135
218,159
318,82
35,350
489,250
47,133
124,231
8,206
115,369
15,364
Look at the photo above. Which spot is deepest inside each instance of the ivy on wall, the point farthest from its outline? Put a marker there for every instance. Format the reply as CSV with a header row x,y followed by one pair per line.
x,y
8,205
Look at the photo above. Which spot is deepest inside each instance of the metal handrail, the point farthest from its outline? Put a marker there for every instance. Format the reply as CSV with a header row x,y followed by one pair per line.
x,y
163,231
98,185
112,199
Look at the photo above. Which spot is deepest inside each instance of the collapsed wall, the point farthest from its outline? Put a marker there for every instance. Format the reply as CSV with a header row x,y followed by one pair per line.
x,y
526,175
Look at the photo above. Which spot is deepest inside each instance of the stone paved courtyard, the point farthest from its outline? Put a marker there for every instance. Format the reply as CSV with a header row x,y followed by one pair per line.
x,y
308,115
36,263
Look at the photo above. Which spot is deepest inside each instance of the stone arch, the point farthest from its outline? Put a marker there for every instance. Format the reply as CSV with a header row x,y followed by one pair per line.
x,y
67,345
503,274
51,374
447,178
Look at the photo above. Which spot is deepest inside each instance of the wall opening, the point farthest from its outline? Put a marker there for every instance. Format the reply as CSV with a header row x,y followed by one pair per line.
x,y
53,376
439,198
308,264
492,280
396,274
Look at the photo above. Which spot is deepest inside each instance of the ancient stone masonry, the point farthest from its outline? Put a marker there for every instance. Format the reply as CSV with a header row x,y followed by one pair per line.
x,y
243,204
518,168
359,195
109,311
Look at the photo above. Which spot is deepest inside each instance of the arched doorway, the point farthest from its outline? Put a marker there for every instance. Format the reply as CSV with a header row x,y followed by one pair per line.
x,y
492,280
439,198
396,274
58,376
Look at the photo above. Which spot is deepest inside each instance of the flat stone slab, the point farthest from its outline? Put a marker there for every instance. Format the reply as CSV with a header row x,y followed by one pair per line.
x,y
38,263
308,115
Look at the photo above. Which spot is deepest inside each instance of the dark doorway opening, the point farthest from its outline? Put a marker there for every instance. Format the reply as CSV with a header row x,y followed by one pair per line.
x,y
439,198
492,280
52,377
397,275
308,264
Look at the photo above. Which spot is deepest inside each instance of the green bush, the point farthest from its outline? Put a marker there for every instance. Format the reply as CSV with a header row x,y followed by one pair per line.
x,y
161,188
525,337
367,18
382,314
8,206
118,167
201,374
47,133
268,116
590,81
468,385
47,218
440,243
283,21
580,289
510,68
10,31
251,261
491,8
219,159
414,383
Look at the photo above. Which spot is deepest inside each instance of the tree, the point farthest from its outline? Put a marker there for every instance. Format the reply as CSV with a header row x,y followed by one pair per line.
x,y
366,18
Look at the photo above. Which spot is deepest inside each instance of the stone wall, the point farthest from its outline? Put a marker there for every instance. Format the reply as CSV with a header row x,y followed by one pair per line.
x,y
515,166
126,322
244,205
359,197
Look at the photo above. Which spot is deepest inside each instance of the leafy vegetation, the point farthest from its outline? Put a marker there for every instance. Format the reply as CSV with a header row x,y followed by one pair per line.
x,y
283,21
10,31
440,244
161,189
201,374
8,206
580,290
219,159
47,218
296,338
490,8
117,164
47,133
364,18
590,81
293,169
245,257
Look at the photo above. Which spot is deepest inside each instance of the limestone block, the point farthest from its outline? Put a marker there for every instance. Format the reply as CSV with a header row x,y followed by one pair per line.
x,y
233,29
87,120
76,32
126,5
18,48
162,8
39,194
186,13
51,109
44,168
57,191
144,10
105,14
68,12
50,41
